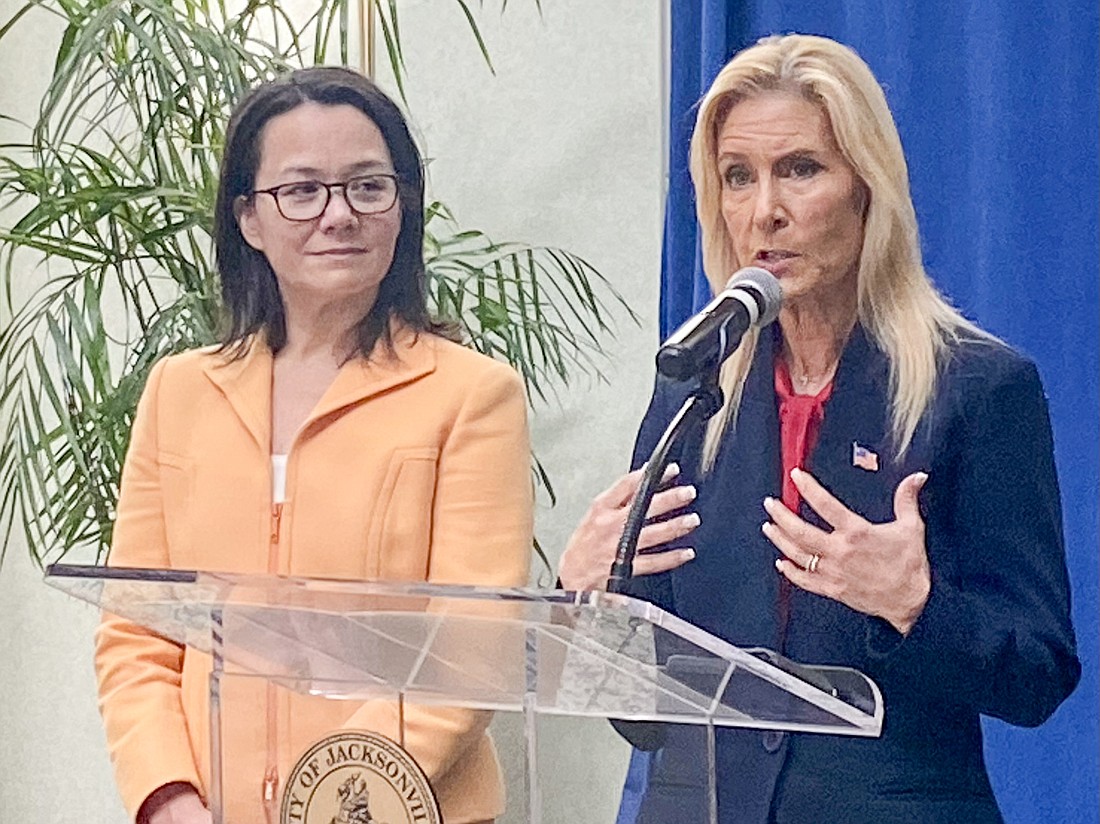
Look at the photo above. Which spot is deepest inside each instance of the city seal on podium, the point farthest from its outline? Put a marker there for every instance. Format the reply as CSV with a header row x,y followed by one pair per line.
x,y
358,777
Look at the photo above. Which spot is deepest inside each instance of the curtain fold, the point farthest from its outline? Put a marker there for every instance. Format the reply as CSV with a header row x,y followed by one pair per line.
x,y
997,105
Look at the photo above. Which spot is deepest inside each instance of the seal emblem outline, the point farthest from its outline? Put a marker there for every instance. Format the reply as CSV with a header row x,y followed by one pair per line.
x,y
358,777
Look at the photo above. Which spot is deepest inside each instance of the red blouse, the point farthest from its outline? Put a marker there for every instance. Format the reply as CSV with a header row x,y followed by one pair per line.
x,y
800,418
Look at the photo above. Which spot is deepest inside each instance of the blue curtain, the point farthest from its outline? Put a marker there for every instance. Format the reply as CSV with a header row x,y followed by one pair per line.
x,y
997,105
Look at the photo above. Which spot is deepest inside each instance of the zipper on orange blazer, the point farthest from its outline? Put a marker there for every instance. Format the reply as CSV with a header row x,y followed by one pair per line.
x,y
271,773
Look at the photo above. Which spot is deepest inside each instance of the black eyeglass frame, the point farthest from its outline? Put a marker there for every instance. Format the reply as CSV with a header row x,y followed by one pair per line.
x,y
342,185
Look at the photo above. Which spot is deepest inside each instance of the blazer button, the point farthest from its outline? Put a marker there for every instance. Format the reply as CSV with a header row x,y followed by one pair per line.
x,y
773,740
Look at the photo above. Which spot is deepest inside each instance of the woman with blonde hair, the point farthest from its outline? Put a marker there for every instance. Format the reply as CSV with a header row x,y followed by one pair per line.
x,y
899,457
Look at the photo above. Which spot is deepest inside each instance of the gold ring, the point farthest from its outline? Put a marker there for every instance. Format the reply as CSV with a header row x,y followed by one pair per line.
x,y
815,559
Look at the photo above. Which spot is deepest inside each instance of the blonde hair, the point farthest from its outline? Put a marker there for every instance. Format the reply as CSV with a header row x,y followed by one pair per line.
x,y
897,304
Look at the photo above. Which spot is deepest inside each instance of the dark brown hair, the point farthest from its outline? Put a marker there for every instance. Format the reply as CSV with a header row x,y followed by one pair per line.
x,y
249,290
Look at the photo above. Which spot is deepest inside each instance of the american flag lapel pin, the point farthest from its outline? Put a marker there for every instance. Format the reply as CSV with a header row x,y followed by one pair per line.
x,y
864,458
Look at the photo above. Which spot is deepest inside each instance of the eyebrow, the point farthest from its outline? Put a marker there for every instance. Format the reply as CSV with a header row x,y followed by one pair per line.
x,y
802,154
354,168
794,154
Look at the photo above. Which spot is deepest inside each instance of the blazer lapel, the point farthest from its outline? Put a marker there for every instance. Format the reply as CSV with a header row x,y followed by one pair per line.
x,y
731,588
246,384
246,381
362,378
857,414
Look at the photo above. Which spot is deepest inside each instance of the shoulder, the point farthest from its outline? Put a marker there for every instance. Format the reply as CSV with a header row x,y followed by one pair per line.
x,y
466,366
986,387
193,360
183,371
459,382
668,396
975,367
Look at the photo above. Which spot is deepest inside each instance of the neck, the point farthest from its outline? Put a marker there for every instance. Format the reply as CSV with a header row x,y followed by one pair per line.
x,y
323,330
812,344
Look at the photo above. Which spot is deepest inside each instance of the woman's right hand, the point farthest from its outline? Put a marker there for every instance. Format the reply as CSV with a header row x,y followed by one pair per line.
x,y
586,562
174,804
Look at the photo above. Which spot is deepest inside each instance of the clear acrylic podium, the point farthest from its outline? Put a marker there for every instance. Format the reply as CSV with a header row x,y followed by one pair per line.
x,y
329,655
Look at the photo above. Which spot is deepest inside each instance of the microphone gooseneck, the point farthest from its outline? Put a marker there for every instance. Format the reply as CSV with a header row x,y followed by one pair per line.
x,y
752,297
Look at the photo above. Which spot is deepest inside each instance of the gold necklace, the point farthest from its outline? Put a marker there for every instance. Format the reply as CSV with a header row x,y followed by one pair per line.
x,y
802,381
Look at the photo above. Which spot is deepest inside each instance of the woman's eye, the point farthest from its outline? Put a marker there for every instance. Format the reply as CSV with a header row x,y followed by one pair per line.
x,y
305,189
737,176
366,185
804,168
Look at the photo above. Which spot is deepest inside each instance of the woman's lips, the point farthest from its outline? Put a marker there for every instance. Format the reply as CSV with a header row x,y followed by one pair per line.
x,y
340,252
776,261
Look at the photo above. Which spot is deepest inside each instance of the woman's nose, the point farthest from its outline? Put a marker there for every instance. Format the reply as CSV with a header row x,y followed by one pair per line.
x,y
337,211
769,214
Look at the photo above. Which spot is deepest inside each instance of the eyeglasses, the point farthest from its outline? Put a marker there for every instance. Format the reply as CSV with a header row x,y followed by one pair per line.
x,y
308,199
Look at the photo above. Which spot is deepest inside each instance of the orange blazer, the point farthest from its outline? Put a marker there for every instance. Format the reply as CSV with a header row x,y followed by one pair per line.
x,y
414,468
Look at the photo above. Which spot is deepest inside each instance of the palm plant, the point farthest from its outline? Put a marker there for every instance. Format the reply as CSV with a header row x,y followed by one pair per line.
x,y
114,192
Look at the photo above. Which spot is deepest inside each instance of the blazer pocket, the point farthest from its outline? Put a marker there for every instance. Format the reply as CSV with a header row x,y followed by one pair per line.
x,y
176,493
402,529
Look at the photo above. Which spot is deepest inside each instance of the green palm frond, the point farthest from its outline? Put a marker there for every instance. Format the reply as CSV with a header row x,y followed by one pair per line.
x,y
543,310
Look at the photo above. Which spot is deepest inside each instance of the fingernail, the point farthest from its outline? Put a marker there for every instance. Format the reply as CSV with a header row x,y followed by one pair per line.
x,y
796,473
922,477
672,470
769,502
766,527
779,564
689,554
692,520
688,493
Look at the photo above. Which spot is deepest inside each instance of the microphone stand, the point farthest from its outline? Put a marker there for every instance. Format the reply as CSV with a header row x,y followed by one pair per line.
x,y
703,402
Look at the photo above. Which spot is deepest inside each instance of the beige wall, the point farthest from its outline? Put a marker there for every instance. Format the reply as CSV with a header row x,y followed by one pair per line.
x,y
563,147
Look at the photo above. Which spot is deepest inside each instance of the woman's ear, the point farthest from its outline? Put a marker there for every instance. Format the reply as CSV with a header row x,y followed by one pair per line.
x,y
244,210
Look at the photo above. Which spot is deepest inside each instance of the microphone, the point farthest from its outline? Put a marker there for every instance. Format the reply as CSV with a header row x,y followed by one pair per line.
x,y
752,297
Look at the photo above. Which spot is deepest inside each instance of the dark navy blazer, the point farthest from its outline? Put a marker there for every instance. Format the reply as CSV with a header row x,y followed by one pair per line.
x,y
995,636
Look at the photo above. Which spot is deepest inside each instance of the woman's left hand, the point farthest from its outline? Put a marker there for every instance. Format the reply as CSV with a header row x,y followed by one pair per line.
x,y
877,569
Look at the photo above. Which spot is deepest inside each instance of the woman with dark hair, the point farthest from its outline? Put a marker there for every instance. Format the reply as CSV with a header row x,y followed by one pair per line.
x,y
336,432
249,283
